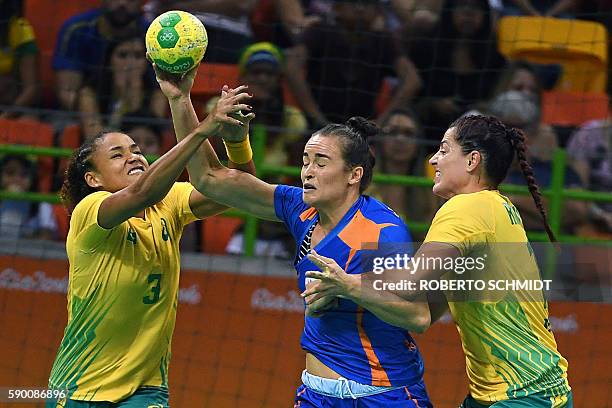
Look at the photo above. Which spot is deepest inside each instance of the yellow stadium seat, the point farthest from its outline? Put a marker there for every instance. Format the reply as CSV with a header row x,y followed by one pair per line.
x,y
579,46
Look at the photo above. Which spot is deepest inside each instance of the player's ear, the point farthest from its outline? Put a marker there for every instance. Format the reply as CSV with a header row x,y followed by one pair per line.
x,y
92,179
473,160
356,175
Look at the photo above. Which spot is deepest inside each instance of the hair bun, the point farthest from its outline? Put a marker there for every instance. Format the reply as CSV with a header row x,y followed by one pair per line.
x,y
362,126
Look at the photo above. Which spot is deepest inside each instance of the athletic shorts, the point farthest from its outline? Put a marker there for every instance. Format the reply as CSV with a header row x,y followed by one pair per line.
x,y
414,396
531,401
144,397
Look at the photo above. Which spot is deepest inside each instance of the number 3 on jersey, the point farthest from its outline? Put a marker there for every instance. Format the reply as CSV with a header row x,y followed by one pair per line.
x,y
153,295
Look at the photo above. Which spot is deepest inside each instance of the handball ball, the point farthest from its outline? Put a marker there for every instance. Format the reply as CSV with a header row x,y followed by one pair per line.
x,y
176,41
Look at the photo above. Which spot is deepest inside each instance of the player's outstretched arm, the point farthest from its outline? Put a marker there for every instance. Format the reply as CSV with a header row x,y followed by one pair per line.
x,y
226,186
177,90
155,183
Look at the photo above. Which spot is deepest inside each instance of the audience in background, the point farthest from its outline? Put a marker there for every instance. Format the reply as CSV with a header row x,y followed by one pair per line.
x,y
440,53
122,84
522,77
227,24
591,148
417,18
399,150
144,131
261,67
458,63
23,219
83,41
345,65
519,110
18,60
547,8
282,22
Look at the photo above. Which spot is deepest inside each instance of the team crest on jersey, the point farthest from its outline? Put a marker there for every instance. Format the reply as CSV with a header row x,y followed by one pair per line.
x,y
131,236
165,231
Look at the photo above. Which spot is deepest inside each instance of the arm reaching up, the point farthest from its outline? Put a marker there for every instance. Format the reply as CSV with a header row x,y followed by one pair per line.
x,y
177,90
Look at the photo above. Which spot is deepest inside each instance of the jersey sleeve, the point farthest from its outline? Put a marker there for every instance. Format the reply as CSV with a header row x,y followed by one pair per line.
x,y
461,222
84,222
177,201
288,206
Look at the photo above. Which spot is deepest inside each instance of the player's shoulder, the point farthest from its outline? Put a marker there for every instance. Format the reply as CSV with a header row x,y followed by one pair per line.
x,y
393,227
89,201
472,203
379,212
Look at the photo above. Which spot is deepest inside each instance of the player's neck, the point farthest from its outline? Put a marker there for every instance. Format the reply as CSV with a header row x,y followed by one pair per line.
x,y
330,216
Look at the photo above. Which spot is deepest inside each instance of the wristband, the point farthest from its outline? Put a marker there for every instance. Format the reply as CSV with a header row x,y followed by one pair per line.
x,y
239,152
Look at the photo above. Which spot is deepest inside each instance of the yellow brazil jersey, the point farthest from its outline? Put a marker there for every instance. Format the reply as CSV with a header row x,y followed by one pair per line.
x,y
21,41
509,348
122,299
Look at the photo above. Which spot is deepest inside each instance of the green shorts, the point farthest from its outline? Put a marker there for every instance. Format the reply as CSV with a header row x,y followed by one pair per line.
x,y
144,397
532,401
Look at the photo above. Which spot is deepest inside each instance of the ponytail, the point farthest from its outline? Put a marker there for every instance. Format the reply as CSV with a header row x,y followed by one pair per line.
x,y
517,139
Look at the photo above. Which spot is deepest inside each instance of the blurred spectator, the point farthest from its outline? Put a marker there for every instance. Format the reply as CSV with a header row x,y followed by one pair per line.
x,y
345,65
261,67
23,219
458,62
519,110
591,148
400,151
226,21
144,131
548,8
120,85
522,77
18,59
417,17
281,22
83,41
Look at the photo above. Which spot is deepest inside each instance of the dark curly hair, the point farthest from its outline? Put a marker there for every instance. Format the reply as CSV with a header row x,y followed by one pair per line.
x,y
498,143
356,151
74,187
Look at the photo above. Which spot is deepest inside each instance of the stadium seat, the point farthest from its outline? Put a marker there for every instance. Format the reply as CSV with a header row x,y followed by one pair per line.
x,y
573,108
35,133
217,232
47,17
71,137
580,47
211,77
63,222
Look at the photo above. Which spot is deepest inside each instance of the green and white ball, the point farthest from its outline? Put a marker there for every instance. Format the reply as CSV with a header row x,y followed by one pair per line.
x,y
176,41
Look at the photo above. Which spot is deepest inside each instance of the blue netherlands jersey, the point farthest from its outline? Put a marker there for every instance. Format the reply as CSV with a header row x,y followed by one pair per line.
x,y
348,339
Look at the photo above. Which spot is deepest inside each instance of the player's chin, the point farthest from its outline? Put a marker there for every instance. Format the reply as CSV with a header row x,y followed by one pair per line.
x,y
309,197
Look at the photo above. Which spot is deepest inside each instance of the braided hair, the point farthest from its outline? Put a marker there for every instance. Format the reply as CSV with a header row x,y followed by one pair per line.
x,y
498,144
74,187
356,150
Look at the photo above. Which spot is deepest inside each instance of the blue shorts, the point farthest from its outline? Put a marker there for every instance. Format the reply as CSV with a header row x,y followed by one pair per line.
x,y
344,393
144,397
